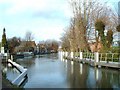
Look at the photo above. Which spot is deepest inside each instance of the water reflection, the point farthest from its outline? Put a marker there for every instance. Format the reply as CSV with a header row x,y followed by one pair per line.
x,y
81,68
48,71
82,76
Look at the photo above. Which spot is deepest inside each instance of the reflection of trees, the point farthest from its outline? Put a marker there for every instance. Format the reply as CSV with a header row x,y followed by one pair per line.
x,y
116,79
84,76
104,82
103,78
76,75
76,79
26,62
109,79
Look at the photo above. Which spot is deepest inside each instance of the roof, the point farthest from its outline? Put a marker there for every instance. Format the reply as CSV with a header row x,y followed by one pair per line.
x,y
24,45
30,43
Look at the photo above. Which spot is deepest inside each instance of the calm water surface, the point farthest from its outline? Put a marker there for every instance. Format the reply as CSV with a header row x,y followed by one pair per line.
x,y
49,71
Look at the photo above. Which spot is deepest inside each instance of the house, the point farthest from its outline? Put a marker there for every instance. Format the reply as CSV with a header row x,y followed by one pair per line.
x,y
42,48
26,46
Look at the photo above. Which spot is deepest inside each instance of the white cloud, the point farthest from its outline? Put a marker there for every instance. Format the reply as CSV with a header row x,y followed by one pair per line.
x,y
49,24
21,6
18,18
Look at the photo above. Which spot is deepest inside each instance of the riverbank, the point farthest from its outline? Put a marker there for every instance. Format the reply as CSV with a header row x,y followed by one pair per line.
x,y
50,71
25,55
95,64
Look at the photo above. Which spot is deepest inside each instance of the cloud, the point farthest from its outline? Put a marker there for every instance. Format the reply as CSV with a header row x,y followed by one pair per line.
x,y
44,18
21,6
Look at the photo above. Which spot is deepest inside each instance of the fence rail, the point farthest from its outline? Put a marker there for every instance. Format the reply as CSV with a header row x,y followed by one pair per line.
x,y
111,60
113,57
107,57
88,55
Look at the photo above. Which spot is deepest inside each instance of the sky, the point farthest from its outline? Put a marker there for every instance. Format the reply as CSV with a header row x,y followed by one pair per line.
x,y
46,19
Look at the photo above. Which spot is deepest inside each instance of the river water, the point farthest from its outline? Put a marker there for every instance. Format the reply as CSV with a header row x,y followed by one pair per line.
x,y
49,71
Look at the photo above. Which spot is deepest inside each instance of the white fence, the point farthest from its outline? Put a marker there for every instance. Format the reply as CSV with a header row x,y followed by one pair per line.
x,y
23,71
98,57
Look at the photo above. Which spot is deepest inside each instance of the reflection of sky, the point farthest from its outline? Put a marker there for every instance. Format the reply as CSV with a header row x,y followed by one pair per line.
x,y
81,68
91,79
12,73
50,73
47,73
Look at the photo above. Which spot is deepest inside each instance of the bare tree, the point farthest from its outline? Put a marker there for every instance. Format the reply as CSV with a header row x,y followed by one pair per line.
x,y
65,41
82,25
86,13
29,36
82,10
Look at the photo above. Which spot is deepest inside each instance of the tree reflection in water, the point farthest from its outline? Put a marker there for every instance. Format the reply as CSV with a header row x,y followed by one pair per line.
x,y
50,71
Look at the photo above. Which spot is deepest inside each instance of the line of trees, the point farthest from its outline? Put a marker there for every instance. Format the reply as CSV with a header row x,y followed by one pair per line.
x,y
15,43
48,46
91,20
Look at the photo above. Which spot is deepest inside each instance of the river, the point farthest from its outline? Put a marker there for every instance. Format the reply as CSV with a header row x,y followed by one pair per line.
x,y
49,71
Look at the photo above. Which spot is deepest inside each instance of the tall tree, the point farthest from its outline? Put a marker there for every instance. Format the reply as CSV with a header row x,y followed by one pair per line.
x,y
109,38
65,42
12,43
118,29
4,41
86,12
100,27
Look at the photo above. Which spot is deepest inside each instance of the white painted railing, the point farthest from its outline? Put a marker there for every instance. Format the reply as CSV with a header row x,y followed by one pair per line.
x,y
19,79
109,57
97,57
23,71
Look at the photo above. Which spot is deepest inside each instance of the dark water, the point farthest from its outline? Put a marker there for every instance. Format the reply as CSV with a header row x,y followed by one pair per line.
x,y
48,71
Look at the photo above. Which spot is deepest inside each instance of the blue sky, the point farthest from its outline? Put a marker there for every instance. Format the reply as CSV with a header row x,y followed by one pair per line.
x,y
46,19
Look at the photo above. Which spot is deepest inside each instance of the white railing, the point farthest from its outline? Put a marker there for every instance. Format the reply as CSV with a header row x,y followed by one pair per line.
x,y
88,55
23,71
109,57
101,57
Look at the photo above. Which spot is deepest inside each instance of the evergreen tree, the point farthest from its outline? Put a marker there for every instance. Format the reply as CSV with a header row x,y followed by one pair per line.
x,y
100,27
109,38
4,41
